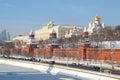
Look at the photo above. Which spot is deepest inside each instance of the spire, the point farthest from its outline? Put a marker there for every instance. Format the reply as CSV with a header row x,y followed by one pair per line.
x,y
31,32
52,31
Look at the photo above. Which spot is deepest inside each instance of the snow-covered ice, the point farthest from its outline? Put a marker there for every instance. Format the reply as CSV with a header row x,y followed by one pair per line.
x,y
8,72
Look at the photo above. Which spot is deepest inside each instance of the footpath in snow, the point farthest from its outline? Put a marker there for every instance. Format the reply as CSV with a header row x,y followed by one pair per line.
x,y
54,69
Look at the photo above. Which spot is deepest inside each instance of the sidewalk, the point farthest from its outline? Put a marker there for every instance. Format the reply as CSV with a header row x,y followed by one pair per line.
x,y
86,63
56,69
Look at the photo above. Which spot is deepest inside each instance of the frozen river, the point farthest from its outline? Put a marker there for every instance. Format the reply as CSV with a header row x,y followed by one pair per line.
x,y
8,72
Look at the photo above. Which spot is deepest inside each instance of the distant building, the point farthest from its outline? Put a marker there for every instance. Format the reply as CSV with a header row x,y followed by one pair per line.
x,y
4,35
8,36
61,30
95,25
21,39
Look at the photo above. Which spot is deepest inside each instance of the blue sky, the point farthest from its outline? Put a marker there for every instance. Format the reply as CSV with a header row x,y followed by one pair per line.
x,y
20,16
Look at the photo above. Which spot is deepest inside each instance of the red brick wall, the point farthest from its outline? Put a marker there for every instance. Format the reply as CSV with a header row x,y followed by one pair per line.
x,y
88,53
70,53
104,55
30,48
83,52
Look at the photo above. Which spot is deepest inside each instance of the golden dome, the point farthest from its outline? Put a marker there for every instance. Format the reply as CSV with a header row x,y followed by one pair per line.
x,y
97,18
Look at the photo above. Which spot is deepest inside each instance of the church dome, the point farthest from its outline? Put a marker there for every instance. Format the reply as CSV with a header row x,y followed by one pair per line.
x,y
97,19
51,23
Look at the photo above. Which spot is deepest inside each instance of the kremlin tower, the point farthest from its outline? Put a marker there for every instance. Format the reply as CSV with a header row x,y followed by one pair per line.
x,y
31,44
53,43
53,39
85,44
85,35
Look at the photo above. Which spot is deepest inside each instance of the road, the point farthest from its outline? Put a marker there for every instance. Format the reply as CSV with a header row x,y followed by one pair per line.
x,y
8,72
91,68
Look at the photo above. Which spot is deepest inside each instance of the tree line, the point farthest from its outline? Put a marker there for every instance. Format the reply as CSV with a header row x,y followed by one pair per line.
x,y
107,34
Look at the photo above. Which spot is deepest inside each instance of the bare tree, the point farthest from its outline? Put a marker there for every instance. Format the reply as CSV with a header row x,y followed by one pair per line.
x,y
112,46
117,33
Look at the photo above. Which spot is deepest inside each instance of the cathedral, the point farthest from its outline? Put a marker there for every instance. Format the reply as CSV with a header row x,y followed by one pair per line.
x,y
96,25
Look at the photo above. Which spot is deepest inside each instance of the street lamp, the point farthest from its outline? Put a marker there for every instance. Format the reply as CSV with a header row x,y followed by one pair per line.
x,y
66,36
112,46
76,39
101,56
78,53
100,47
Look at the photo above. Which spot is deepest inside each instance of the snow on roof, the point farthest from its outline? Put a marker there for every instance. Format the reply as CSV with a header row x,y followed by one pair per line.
x,y
68,26
85,29
52,31
108,44
113,44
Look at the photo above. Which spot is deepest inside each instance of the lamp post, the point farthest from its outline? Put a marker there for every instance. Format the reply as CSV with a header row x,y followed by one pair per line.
x,y
66,36
101,56
112,45
100,47
78,53
44,47
76,35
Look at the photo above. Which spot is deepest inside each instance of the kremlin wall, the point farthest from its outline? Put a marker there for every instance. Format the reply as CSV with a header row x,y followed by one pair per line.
x,y
84,52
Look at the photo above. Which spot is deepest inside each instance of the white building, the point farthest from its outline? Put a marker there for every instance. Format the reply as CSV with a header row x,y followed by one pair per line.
x,y
95,25
21,39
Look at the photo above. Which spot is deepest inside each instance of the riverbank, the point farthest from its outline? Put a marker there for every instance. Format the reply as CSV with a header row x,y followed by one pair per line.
x,y
56,69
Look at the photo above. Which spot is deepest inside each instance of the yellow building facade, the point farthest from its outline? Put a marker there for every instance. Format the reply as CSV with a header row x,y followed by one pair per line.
x,y
43,33
61,30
